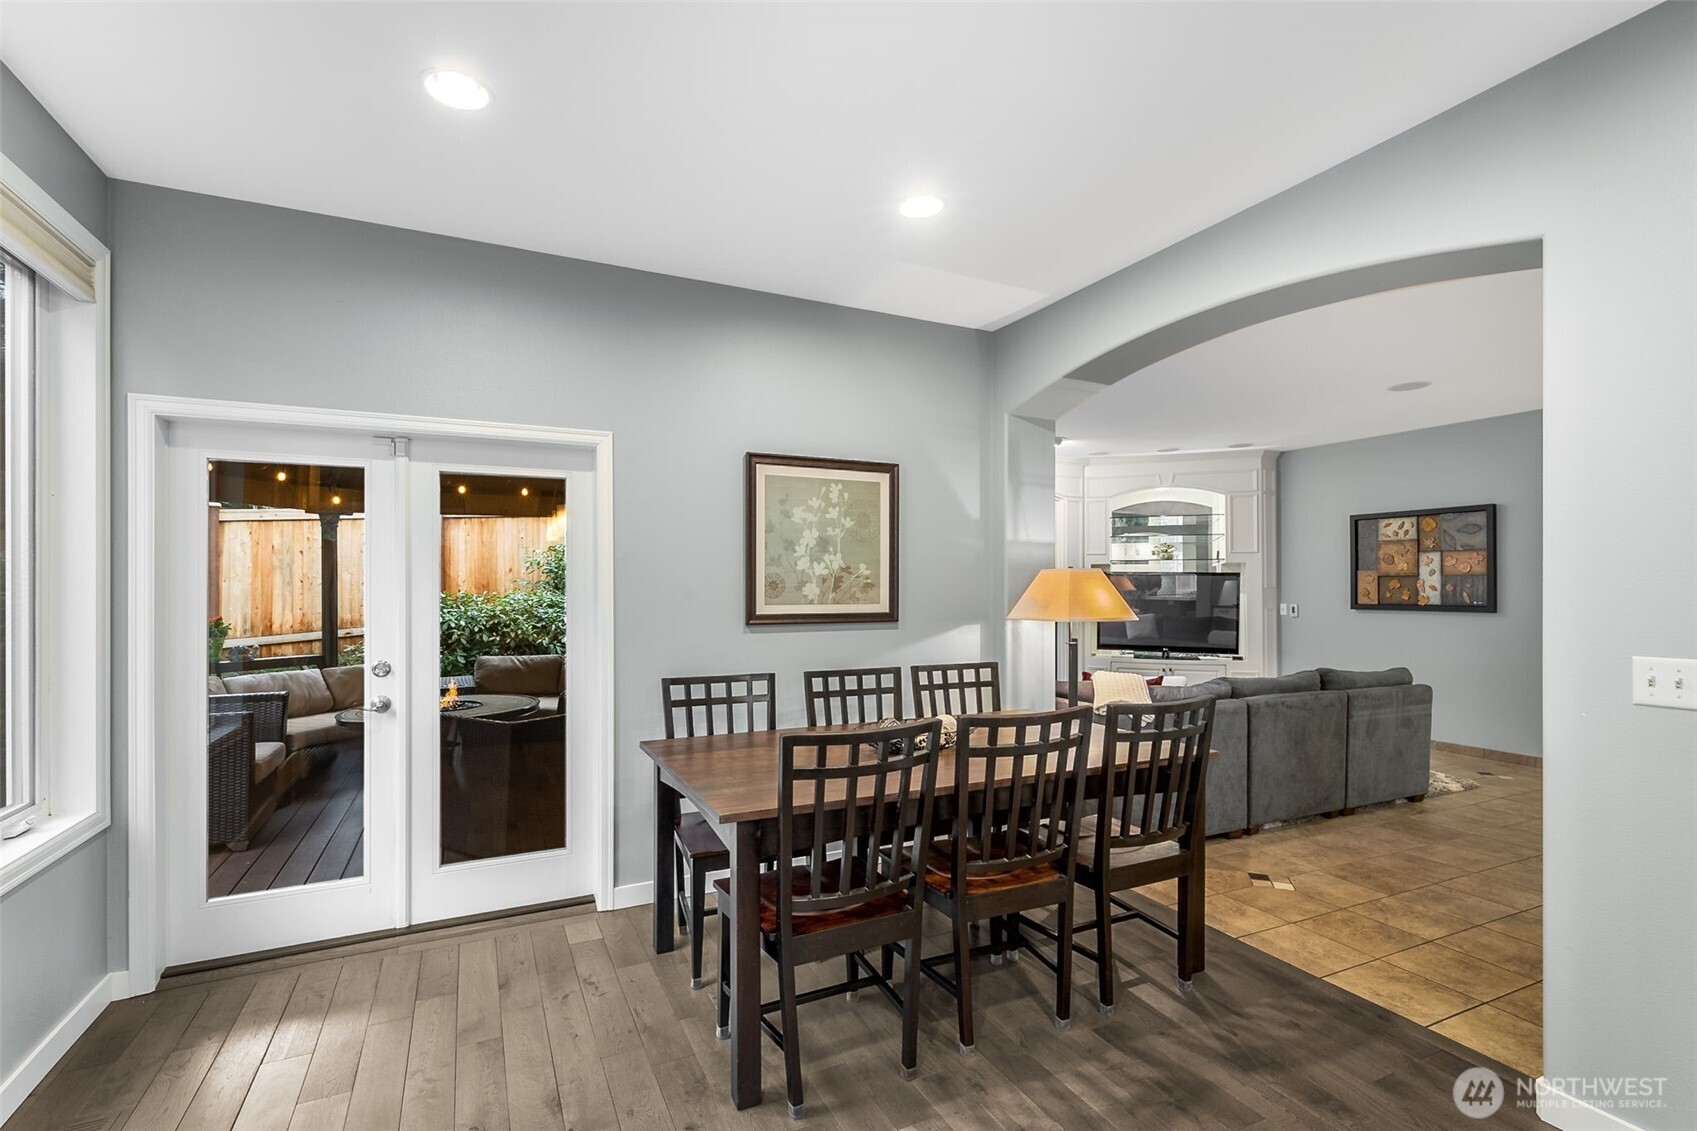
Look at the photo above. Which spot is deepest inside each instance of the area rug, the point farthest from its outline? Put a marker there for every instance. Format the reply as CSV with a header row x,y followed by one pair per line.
x,y
1437,782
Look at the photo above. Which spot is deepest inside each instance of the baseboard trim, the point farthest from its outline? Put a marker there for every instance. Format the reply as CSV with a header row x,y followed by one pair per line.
x,y
57,1043
1488,754
1570,1113
632,895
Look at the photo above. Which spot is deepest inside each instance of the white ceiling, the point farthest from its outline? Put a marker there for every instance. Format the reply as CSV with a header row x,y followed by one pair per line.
x,y
766,145
1321,376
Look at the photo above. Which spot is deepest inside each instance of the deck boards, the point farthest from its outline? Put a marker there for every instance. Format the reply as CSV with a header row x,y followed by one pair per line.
x,y
315,835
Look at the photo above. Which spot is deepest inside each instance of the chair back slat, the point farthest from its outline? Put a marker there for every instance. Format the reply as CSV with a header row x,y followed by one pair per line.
x,y
1042,755
856,793
853,696
1156,802
957,689
718,704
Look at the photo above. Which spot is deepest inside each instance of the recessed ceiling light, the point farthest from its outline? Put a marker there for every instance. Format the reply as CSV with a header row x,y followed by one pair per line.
x,y
1408,386
1164,451
921,207
452,88
1240,445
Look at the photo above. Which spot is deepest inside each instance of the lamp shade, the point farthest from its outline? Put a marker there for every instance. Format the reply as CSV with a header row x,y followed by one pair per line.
x,y
1071,594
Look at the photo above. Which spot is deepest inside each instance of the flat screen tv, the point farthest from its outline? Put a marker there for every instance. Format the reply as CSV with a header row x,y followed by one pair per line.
x,y
1176,613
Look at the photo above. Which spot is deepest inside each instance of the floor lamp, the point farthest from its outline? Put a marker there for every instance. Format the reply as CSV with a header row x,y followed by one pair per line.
x,y
1070,595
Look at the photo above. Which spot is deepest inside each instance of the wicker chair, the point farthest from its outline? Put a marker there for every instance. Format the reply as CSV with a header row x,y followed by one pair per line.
x,y
236,726
504,789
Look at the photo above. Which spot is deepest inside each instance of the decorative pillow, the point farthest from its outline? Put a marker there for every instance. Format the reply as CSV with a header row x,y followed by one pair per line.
x,y
1119,687
1159,680
1335,679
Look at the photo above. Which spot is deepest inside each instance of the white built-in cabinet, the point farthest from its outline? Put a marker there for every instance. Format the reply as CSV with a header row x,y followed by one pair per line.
x,y
1238,488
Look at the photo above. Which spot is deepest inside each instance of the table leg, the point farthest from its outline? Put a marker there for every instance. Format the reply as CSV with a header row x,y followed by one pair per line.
x,y
745,966
665,819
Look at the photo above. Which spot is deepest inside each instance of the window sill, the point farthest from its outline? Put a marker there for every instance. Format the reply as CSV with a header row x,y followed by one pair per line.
x,y
51,839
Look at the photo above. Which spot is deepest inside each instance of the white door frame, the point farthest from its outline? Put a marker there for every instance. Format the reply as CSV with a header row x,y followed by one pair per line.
x,y
148,416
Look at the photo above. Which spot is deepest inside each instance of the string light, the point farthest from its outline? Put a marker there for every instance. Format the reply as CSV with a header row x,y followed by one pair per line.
x,y
462,488
525,491
282,477
335,500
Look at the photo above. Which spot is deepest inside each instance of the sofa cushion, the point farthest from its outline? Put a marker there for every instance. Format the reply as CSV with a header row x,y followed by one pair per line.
x,y
318,730
347,687
1208,689
1247,687
520,675
267,756
215,686
308,694
1336,679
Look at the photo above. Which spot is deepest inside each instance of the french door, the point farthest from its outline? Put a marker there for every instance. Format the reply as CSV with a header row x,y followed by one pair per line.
x,y
366,713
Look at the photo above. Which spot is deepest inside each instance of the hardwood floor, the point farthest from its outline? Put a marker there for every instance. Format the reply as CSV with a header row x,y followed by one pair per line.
x,y
568,1020
313,836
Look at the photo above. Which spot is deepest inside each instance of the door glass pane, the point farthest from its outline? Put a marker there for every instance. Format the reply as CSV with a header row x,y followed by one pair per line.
x,y
503,673
285,608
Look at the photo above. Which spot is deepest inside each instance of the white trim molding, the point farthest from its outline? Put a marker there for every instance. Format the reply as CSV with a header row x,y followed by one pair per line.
x,y
33,1069
1570,1113
73,544
629,895
148,417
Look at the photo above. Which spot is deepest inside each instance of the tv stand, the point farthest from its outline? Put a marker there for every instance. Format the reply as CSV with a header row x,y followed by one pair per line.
x,y
1196,669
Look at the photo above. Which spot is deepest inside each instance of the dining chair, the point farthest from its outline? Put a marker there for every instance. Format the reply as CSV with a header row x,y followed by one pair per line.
x,y
849,879
1148,828
698,705
1007,851
855,696
957,689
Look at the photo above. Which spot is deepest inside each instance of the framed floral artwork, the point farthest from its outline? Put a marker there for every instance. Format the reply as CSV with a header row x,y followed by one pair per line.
x,y
1441,561
823,538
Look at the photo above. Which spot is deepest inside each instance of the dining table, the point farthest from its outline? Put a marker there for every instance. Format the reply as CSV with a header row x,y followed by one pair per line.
x,y
732,779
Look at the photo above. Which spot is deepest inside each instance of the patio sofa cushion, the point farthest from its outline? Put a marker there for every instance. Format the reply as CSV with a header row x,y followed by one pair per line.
x,y
1335,679
215,686
347,687
520,675
318,730
308,693
267,756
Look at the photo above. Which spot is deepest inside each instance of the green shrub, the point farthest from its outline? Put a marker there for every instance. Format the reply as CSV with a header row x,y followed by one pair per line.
x,y
528,620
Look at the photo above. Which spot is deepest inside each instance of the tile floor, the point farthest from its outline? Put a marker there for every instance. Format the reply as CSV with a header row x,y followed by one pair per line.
x,y
1434,910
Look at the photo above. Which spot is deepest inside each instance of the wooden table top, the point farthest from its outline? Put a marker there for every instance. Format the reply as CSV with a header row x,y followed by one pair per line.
x,y
734,777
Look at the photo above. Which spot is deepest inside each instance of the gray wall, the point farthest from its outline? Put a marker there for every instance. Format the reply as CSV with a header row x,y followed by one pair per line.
x,y
1591,152
1487,682
42,149
244,302
54,944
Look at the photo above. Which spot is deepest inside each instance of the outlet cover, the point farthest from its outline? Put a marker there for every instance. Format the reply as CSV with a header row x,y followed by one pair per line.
x,y
1658,681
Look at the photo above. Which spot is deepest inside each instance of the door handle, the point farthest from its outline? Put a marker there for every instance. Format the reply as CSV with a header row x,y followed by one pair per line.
x,y
379,704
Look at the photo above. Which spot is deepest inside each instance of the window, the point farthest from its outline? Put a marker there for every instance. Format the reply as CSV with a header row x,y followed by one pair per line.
x,y
20,776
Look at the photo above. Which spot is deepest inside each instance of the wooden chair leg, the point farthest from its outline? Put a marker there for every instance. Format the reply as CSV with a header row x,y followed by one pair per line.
x,y
963,975
1192,922
724,1030
792,1038
698,917
910,1009
1063,964
998,941
678,870
852,974
887,967
1107,972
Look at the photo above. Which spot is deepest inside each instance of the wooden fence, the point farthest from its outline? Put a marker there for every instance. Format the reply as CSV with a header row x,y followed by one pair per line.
x,y
263,578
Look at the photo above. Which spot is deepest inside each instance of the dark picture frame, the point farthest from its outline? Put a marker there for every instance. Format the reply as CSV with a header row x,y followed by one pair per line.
x,y
1430,560
825,554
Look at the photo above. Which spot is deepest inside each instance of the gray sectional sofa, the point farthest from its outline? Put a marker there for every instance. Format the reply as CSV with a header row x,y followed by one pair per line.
x,y
1314,742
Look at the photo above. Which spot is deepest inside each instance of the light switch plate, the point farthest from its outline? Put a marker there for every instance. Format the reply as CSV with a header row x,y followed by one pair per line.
x,y
1658,681
1284,608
